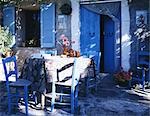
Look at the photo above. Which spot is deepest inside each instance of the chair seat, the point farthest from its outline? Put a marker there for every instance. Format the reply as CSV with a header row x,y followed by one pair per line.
x,y
21,83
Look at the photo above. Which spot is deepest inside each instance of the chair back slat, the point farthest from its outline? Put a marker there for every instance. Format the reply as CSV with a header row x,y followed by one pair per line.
x,y
10,67
63,69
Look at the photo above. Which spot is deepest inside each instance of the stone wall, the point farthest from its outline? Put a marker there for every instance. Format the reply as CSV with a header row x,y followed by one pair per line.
x,y
23,53
26,52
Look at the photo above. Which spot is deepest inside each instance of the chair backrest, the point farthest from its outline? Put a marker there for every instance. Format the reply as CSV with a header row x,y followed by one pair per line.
x,y
95,55
63,69
76,71
10,68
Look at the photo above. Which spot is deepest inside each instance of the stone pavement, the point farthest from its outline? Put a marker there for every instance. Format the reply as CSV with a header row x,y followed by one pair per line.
x,y
109,100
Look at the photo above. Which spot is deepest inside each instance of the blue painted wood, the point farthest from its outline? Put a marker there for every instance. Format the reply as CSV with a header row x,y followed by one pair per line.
x,y
92,80
139,78
90,33
26,98
10,69
75,82
9,18
96,57
142,66
109,45
47,25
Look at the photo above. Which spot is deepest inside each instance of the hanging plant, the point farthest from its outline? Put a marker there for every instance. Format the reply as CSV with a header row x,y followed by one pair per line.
x,y
66,9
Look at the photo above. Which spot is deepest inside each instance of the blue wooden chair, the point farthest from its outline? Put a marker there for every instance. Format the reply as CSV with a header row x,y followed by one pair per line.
x,y
140,77
92,79
143,67
10,69
67,88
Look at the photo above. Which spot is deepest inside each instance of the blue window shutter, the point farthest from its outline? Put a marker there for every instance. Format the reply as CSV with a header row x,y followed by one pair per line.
x,y
48,25
9,18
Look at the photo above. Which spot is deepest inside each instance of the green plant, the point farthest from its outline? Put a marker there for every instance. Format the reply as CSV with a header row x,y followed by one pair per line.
x,y
6,39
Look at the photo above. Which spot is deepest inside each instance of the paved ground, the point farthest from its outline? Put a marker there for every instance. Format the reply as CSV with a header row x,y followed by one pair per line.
x,y
109,100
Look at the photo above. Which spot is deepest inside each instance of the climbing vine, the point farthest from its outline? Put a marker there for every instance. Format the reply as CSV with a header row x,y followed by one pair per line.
x,y
6,39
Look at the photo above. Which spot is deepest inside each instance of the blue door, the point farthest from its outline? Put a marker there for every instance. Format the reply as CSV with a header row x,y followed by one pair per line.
x,y
90,33
48,25
109,42
9,18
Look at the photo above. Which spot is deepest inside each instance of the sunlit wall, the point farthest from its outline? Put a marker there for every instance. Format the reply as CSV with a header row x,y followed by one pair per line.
x,y
125,24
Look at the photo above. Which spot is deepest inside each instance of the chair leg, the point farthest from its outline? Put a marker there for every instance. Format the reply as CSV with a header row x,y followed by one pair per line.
x,y
53,96
26,99
129,85
9,103
35,97
43,101
9,99
76,97
96,84
72,100
87,84
143,79
17,97
143,84
61,97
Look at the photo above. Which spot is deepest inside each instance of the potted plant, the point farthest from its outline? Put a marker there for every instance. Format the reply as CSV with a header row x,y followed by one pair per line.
x,y
6,39
66,47
123,77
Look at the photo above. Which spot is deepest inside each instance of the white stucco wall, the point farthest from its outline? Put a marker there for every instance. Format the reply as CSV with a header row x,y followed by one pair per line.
x,y
75,24
125,26
125,37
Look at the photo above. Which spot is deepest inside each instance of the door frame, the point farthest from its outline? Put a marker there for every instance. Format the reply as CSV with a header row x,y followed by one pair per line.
x,y
117,23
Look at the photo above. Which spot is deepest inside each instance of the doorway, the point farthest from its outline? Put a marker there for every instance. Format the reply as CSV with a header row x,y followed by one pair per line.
x,y
107,44
28,27
103,39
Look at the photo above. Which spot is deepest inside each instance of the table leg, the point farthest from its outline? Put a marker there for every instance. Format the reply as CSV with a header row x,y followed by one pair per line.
x,y
42,101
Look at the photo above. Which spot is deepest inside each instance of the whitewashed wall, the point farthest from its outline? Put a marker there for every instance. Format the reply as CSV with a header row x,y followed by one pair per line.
x,y
125,25
75,24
